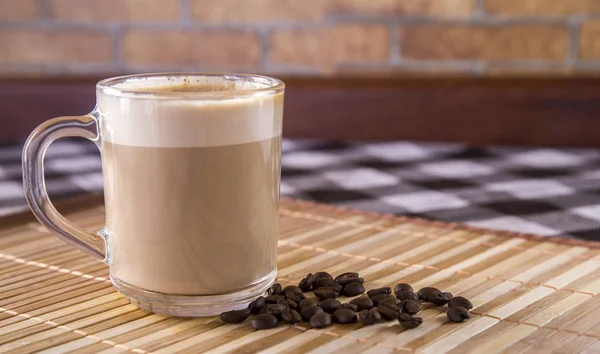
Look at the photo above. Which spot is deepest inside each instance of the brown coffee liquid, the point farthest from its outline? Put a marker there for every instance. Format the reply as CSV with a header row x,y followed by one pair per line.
x,y
192,220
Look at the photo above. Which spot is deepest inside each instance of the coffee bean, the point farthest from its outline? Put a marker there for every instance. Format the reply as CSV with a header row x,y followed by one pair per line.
x,y
458,314
406,295
320,320
389,300
427,292
325,282
434,296
369,317
409,322
276,309
291,316
256,305
344,316
307,302
353,289
378,298
411,307
389,311
306,283
291,288
327,293
350,307
319,275
264,321
441,299
309,312
330,305
363,302
274,299
403,287
275,289
346,278
295,295
460,301
235,316
379,291
290,303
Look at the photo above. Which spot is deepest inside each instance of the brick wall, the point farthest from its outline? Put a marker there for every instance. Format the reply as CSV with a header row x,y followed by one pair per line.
x,y
475,37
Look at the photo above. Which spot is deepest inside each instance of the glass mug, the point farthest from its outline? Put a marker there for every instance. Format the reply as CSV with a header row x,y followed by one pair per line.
x,y
191,167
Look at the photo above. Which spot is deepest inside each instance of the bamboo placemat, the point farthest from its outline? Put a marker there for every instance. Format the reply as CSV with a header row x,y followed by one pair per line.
x,y
530,294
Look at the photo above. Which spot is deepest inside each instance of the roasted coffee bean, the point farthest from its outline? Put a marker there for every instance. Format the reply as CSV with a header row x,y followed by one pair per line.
x,y
353,289
309,312
276,309
319,275
235,316
306,283
379,291
458,314
330,305
327,293
320,320
291,316
441,299
347,275
274,299
389,300
406,295
291,288
389,311
434,296
343,316
363,302
347,278
403,287
264,321
275,289
409,322
411,307
325,282
460,301
350,307
256,305
369,317
295,295
381,297
290,303
427,292
307,303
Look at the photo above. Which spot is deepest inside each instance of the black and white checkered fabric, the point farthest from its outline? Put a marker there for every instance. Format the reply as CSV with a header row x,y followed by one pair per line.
x,y
545,191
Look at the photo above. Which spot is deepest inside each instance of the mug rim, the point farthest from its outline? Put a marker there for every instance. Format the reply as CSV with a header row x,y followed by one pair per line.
x,y
270,86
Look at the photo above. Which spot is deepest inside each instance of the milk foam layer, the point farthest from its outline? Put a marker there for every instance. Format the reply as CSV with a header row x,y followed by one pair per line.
x,y
189,121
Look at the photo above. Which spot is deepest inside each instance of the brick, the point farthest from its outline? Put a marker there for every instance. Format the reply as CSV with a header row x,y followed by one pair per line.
x,y
18,9
477,42
329,47
54,47
542,7
589,43
437,8
115,10
255,11
223,48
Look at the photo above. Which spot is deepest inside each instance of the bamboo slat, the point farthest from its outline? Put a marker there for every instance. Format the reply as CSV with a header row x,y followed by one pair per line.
x,y
531,294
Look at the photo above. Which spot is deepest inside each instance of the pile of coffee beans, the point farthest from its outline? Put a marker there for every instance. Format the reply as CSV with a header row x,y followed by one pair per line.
x,y
290,304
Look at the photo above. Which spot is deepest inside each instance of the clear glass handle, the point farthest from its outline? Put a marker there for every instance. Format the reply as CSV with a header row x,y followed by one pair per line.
x,y
35,185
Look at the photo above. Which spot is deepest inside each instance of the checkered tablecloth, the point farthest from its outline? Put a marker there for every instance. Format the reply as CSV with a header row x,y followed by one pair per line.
x,y
546,191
